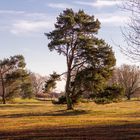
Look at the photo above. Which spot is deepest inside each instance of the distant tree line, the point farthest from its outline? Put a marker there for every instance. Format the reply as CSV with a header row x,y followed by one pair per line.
x,y
17,81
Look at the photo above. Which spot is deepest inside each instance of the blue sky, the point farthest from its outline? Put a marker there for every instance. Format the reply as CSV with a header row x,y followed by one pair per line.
x,y
23,23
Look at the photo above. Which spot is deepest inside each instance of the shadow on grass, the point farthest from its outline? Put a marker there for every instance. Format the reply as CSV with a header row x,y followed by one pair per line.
x,y
51,113
108,132
19,105
8,106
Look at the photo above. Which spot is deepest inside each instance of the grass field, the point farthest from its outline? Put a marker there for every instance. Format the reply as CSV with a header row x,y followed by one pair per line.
x,y
35,120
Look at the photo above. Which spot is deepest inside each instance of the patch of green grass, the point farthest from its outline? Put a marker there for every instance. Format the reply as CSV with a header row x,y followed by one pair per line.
x,y
23,101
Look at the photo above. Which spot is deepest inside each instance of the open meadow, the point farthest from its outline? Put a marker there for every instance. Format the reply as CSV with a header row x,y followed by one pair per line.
x,y
36,120
70,70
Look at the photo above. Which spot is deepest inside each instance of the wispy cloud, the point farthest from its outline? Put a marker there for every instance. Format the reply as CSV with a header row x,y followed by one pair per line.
x,y
25,26
60,5
11,12
112,19
21,22
99,3
32,23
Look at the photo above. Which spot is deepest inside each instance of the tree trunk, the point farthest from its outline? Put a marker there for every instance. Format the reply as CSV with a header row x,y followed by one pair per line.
x,y
67,92
3,90
128,97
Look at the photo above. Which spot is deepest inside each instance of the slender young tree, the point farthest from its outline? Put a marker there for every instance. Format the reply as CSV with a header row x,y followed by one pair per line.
x,y
50,84
74,37
26,86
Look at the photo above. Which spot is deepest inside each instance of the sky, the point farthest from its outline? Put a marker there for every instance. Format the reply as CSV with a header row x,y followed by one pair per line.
x,y
24,22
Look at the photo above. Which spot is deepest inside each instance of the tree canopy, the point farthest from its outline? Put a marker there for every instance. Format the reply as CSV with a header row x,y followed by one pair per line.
x,y
50,84
13,76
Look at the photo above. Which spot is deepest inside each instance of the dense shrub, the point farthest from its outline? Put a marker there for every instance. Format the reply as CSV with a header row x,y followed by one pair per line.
x,y
61,100
110,94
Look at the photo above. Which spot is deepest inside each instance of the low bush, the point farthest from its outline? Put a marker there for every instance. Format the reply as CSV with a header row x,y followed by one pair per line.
x,y
110,94
61,100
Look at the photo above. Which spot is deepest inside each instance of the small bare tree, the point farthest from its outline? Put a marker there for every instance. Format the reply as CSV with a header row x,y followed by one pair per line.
x,y
128,76
38,82
131,32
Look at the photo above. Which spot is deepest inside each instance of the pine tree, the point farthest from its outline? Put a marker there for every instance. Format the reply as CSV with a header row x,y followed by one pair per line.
x,y
74,37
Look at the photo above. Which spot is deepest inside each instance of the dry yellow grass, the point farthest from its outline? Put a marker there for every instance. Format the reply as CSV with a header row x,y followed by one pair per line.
x,y
34,116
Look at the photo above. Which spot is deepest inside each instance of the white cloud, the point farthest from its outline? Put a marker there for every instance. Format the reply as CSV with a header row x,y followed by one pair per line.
x,y
112,19
21,22
100,3
11,12
59,5
25,26
24,23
